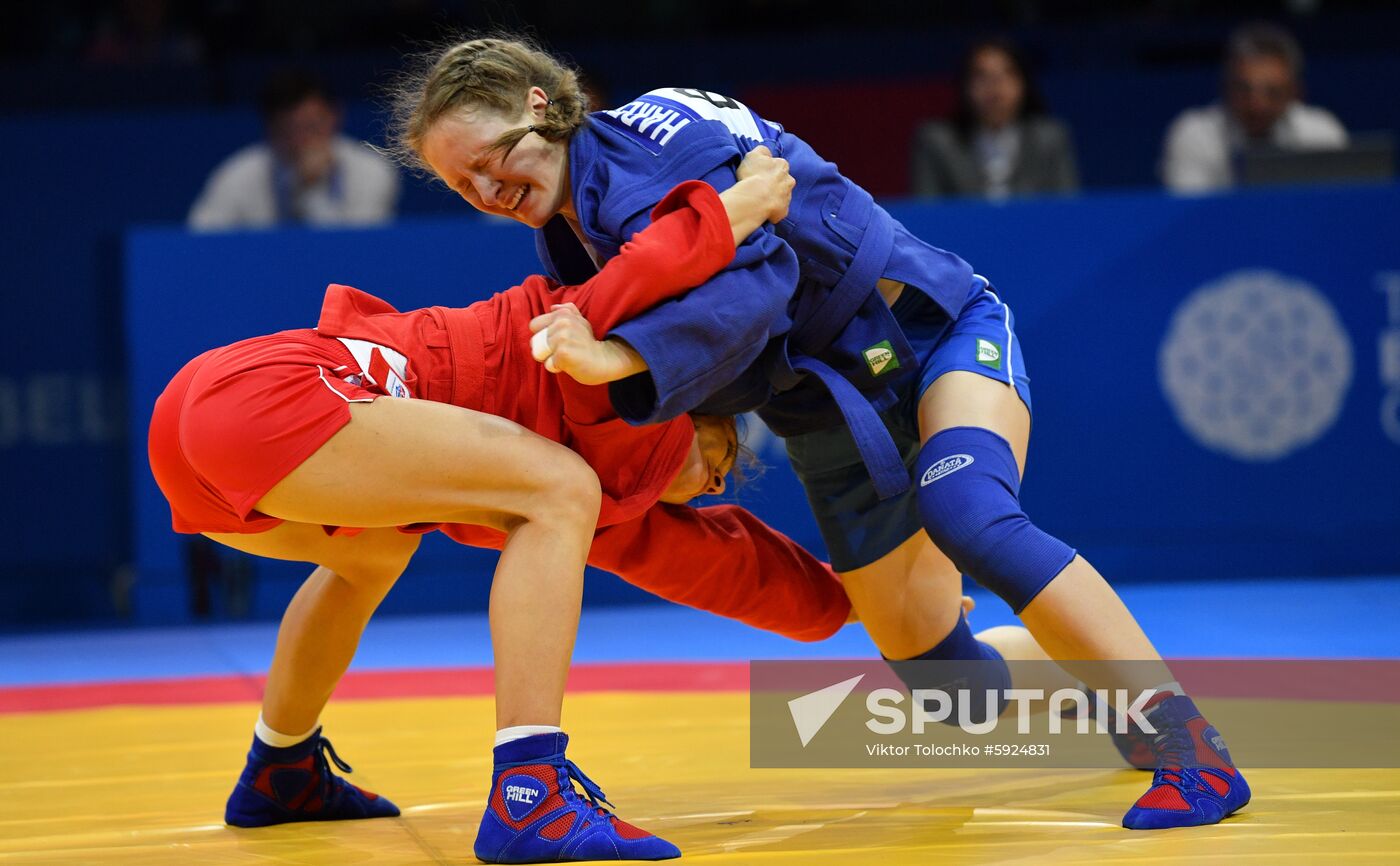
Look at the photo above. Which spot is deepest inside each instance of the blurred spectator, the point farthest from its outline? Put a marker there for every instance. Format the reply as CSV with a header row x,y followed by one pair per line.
x,y
1262,107
141,33
1000,142
306,172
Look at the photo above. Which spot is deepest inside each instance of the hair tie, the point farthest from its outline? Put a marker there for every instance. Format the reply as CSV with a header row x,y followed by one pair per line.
x,y
530,128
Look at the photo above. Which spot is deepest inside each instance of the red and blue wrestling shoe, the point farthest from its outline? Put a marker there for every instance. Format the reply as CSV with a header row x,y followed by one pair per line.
x,y
535,815
279,786
1195,781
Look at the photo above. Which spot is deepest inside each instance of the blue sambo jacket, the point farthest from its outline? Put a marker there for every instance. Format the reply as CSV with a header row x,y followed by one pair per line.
x,y
795,327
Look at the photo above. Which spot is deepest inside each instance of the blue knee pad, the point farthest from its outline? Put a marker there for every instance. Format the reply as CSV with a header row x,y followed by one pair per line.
x,y
974,666
969,503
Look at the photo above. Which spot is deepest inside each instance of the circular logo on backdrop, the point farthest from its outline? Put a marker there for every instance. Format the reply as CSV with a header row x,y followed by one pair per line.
x,y
1255,365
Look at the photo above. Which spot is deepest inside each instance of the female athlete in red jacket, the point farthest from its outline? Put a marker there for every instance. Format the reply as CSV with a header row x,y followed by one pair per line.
x,y
278,446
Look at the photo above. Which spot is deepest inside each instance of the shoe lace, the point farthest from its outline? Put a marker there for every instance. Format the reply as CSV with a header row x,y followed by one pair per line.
x,y
328,789
328,751
1174,747
1176,752
571,774
595,793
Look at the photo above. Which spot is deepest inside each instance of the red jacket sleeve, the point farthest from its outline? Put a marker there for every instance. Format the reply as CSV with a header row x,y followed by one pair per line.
x,y
688,241
724,560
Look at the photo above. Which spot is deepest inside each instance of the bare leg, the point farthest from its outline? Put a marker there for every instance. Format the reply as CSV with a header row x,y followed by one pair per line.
x,y
323,623
908,600
1080,616
534,619
410,461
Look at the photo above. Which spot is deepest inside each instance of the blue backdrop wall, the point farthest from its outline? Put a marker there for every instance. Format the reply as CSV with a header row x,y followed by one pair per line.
x,y
73,184
1217,380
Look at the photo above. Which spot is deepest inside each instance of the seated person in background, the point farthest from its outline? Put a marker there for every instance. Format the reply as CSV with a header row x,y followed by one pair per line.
x,y
1261,107
306,172
1000,142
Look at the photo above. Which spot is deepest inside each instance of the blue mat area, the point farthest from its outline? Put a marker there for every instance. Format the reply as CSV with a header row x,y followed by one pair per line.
x,y
1293,618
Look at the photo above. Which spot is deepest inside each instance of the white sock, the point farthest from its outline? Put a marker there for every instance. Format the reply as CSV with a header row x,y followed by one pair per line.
x,y
520,732
279,740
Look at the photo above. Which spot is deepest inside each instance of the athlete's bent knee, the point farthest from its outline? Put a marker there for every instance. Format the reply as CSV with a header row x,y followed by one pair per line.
x,y
968,499
378,563
568,495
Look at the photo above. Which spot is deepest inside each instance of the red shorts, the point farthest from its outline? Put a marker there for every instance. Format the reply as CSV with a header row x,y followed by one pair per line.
x,y
236,420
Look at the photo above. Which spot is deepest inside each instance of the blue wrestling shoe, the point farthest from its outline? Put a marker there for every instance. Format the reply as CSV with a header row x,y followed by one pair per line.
x,y
534,814
1195,782
279,786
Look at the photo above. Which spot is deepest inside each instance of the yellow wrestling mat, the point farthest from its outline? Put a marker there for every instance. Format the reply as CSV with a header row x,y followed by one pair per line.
x,y
146,785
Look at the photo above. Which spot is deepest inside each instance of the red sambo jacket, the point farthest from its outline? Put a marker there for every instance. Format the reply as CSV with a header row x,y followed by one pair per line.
x,y
718,558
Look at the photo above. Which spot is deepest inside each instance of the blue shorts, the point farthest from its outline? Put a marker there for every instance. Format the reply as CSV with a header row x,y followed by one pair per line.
x,y
856,525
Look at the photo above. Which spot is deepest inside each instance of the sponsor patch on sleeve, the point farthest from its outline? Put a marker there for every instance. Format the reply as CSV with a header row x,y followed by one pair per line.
x,y
988,353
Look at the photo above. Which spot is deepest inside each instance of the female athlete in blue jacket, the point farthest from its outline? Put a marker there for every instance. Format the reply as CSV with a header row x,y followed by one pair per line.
x,y
890,368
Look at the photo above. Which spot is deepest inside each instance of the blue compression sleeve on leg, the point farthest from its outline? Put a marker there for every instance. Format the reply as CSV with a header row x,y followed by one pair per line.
x,y
968,664
968,495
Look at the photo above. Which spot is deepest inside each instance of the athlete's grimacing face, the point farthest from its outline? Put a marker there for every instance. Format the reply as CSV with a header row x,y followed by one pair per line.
x,y
709,460
528,184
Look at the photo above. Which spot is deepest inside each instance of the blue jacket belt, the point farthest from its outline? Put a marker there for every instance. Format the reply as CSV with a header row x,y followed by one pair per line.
x,y
817,328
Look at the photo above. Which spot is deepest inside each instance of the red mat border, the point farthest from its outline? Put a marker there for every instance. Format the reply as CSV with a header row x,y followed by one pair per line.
x,y
418,683
1358,680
